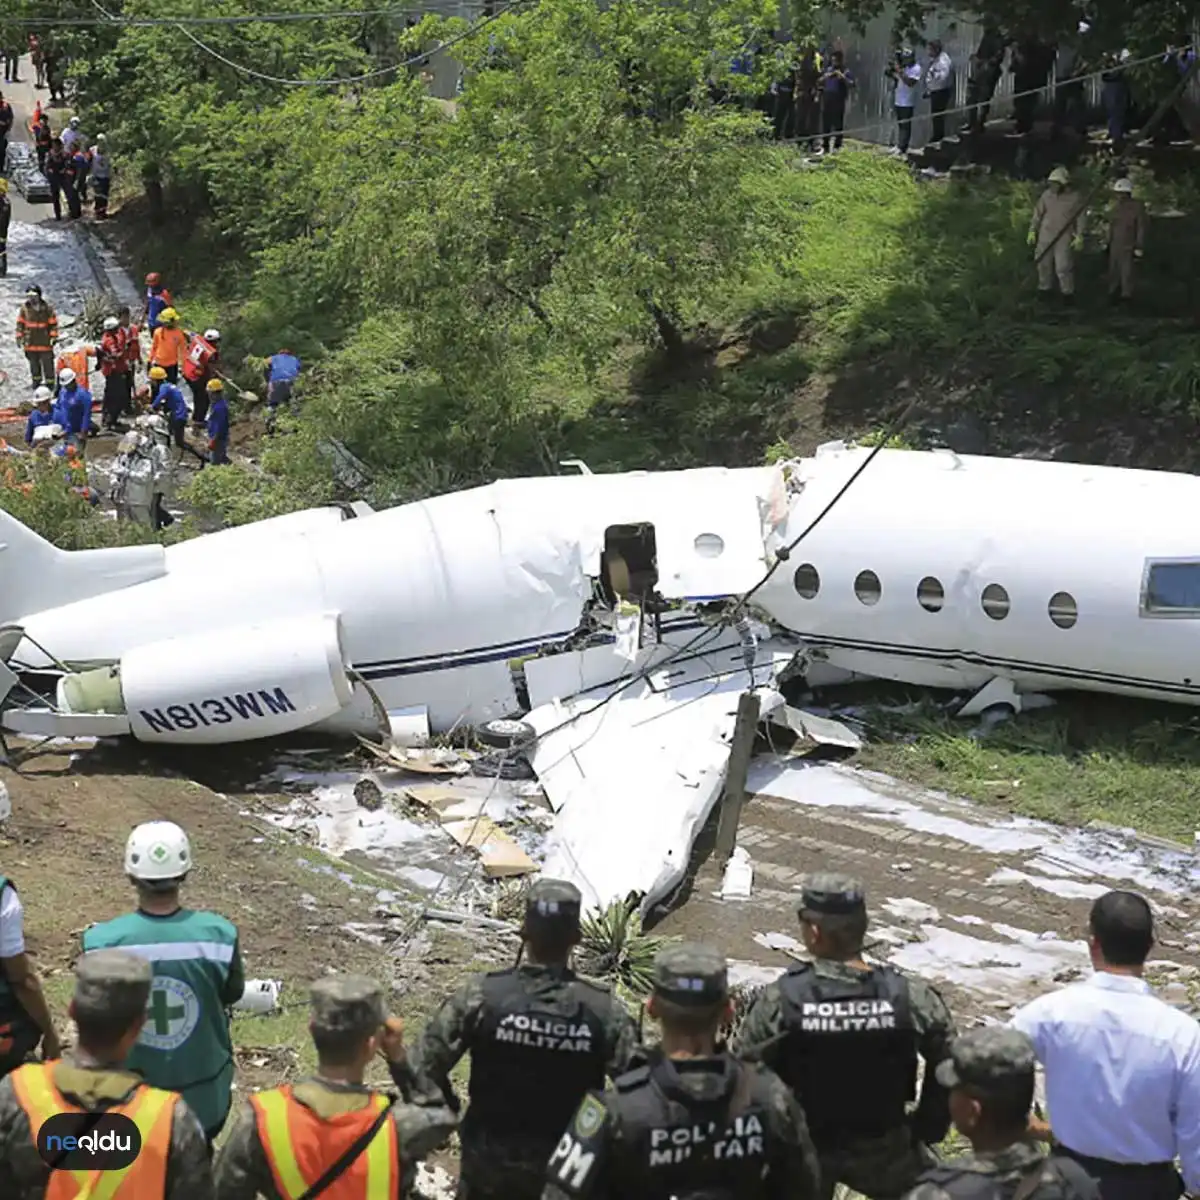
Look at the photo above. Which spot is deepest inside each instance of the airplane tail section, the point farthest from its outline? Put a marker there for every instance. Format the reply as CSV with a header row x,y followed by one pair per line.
x,y
35,575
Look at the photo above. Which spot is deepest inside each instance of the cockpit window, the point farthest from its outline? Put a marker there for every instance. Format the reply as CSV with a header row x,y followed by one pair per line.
x,y
1171,588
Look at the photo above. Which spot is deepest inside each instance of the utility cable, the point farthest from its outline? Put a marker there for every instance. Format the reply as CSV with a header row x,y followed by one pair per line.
x,y
342,82
275,18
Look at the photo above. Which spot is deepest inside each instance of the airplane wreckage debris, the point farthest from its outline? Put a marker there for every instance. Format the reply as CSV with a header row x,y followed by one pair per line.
x,y
598,631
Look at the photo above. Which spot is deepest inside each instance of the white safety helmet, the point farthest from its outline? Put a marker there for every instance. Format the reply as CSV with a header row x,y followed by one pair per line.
x,y
212,335
157,852
1060,175
66,375
101,138
42,393
111,323
1124,187
74,122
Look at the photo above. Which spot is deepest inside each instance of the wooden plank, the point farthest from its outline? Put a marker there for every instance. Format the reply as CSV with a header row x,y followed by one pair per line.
x,y
500,855
734,795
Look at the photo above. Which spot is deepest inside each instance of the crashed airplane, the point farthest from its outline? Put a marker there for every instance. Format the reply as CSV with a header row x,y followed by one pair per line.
x,y
595,608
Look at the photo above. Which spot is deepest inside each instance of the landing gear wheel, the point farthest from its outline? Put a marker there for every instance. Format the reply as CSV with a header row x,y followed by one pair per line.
x,y
504,734
501,766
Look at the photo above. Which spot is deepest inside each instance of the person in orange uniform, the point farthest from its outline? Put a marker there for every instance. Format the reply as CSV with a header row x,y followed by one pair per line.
x,y
76,360
287,1140
168,346
112,989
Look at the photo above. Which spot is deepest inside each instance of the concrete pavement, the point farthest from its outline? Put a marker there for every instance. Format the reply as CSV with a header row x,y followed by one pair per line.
x,y
23,96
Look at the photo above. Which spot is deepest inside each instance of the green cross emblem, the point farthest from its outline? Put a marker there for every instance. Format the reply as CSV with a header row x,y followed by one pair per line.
x,y
163,1012
159,852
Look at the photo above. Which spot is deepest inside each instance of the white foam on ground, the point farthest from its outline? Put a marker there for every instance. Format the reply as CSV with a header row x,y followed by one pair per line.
x,y
911,910
1069,889
779,941
1119,856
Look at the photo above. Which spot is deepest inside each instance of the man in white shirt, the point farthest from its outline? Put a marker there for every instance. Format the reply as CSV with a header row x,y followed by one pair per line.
x,y
905,73
939,86
1122,1067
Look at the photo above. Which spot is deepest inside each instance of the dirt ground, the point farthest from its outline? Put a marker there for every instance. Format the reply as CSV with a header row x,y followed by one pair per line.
x,y
64,844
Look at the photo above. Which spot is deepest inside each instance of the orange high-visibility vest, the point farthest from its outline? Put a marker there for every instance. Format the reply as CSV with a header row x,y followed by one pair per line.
x,y
301,1146
151,1109
77,360
168,347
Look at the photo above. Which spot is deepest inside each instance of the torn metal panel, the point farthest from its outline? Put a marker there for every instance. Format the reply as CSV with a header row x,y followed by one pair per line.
x,y
823,730
635,772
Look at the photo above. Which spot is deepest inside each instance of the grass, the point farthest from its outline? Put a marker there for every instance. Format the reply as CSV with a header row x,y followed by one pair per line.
x,y
1088,758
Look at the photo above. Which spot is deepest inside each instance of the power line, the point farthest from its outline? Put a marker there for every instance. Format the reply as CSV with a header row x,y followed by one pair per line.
x,y
341,82
244,19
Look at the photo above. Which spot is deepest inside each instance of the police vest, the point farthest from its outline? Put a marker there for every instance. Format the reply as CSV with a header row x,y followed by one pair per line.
x,y
850,1054
675,1145
184,1045
533,1056
1057,1178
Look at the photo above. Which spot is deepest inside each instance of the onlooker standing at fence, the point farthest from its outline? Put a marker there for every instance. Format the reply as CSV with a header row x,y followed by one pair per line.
x,y
836,85
905,73
1122,1066
939,86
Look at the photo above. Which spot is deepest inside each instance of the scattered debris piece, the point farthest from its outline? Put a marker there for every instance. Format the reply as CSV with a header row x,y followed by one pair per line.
x,y
260,996
739,876
500,855
368,795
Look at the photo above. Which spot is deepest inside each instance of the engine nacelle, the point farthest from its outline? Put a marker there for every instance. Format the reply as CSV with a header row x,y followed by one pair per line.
x,y
233,685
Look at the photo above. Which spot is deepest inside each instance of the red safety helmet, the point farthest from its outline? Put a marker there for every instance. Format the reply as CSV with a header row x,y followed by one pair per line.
x,y
153,279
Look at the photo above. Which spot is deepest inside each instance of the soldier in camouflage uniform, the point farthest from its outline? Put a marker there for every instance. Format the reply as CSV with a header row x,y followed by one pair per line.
x,y
845,1036
990,1074
289,1138
112,989
690,1123
539,1037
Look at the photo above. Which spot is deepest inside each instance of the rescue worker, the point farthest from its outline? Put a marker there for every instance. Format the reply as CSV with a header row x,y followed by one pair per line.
x,y
218,425
72,135
74,173
855,1070
56,170
157,298
73,410
1126,239
690,1121
101,172
198,973
24,1016
133,349
1056,232
6,124
169,398
282,371
168,344
41,414
199,366
43,139
109,1009
990,1074
539,1036
76,360
5,221
287,1138
37,331
110,354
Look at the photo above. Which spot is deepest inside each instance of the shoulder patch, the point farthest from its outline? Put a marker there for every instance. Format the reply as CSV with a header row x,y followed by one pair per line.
x,y
591,1116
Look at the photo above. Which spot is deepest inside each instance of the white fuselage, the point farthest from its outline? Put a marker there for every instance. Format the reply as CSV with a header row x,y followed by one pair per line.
x,y
434,599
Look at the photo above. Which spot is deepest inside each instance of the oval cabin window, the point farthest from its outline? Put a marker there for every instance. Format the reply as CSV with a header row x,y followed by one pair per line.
x,y
1064,612
806,581
995,602
867,587
930,594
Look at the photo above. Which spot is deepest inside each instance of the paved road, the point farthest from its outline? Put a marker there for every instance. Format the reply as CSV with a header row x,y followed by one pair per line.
x,y
23,97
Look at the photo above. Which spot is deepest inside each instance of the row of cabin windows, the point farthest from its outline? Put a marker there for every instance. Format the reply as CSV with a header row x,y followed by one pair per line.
x,y
931,596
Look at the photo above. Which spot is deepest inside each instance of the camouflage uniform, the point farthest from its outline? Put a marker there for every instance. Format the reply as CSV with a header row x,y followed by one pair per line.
x,y
886,1165
340,1003
709,1127
986,1063
509,1163
107,982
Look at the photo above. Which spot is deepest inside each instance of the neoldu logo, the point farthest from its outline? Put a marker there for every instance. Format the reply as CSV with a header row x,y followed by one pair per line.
x,y
89,1142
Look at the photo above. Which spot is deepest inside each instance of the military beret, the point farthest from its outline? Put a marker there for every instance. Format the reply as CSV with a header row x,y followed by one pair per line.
x,y
691,974
553,899
832,895
347,1004
994,1058
112,985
